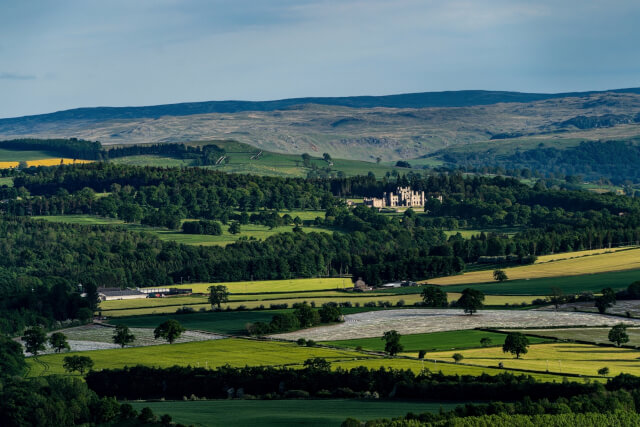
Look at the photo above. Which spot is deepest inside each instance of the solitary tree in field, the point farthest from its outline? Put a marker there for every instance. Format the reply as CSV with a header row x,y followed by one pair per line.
x,y
618,334
123,336
77,363
392,342
603,371
434,296
556,296
516,343
34,340
499,275
457,357
234,228
218,294
58,341
169,330
606,300
471,300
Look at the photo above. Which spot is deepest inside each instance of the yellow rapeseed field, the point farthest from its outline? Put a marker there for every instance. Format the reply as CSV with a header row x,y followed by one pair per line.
x,y
562,358
606,262
266,286
44,162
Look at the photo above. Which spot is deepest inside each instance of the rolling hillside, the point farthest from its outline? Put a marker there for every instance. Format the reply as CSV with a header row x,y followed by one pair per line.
x,y
362,128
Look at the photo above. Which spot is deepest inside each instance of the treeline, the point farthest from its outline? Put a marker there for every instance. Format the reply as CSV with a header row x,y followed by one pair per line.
x,y
615,160
72,148
317,379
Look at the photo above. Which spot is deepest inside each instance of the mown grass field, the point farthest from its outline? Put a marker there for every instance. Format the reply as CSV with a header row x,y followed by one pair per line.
x,y
608,262
250,413
594,335
170,305
255,231
8,181
239,160
224,322
436,341
561,358
233,351
569,285
265,286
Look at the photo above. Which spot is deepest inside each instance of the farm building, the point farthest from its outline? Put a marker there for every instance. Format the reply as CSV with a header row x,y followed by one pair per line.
x,y
110,294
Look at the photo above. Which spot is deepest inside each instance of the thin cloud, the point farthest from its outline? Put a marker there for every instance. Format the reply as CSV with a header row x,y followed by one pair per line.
x,y
16,76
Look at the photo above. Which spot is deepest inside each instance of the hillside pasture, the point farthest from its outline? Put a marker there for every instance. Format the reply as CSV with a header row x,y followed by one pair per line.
x,y
223,322
569,284
606,262
435,341
235,352
249,231
559,358
418,321
267,413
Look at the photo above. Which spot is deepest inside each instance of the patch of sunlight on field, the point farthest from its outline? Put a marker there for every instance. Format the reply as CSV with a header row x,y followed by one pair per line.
x,y
434,366
559,358
578,254
233,351
265,286
45,162
607,262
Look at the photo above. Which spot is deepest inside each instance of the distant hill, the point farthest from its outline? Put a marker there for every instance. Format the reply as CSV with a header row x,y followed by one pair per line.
x,y
388,128
462,98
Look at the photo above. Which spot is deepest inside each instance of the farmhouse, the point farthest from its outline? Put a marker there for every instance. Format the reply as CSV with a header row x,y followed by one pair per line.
x,y
111,294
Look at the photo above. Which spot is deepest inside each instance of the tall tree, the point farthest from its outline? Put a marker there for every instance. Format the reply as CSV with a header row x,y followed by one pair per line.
x,y
499,275
515,343
34,340
471,300
218,294
606,300
392,342
169,330
618,334
434,296
123,336
58,341
77,363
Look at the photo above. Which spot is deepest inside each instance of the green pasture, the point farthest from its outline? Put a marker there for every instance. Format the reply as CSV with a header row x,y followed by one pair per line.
x,y
152,160
266,413
436,341
224,322
249,231
8,181
235,352
27,155
569,284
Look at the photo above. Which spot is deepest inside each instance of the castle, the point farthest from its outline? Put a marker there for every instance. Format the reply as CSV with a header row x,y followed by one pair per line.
x,y
404,198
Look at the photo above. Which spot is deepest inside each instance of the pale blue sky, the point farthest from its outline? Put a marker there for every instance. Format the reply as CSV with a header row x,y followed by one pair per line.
x,y
62,54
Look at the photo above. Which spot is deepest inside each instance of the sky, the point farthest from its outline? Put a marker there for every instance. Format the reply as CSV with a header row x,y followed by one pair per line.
x,y
62,54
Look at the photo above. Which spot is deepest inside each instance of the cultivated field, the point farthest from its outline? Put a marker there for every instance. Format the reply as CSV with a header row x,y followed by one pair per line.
x,y
569,284
225,322
265,286
436,341
415,321
233,351
561,358
255,231
621,308
594,335
614,261
250,413
50,161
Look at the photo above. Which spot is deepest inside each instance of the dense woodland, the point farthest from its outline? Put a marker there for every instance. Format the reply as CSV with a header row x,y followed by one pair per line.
x,y
614,160
40,257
